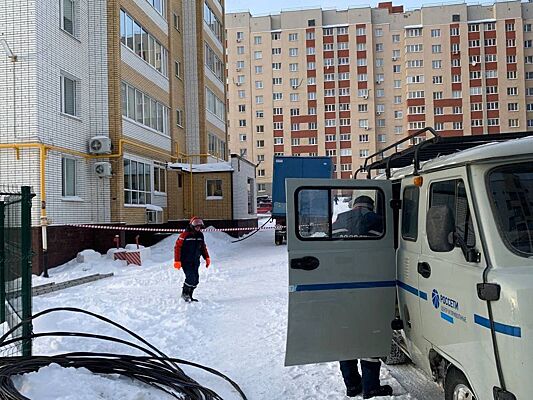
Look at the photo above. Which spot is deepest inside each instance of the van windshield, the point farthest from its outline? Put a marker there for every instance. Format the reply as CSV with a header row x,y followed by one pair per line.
x,y
511,191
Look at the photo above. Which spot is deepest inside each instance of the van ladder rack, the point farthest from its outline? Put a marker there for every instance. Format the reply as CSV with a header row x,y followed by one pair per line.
x,y
429,149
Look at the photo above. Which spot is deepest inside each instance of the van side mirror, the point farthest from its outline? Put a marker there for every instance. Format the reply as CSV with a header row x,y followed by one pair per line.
x,y
440,228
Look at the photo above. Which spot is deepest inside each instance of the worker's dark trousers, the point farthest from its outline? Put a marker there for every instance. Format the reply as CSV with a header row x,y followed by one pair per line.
x,y
191,273
370,374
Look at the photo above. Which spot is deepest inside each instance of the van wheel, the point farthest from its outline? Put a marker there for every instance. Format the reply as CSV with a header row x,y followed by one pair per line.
x,y
278,239
456,386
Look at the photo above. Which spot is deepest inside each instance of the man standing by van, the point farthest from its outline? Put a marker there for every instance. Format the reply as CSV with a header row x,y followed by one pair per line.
x,y
361,220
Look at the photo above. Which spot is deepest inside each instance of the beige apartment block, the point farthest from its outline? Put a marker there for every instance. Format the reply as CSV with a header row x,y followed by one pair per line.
x,y
347,83
167,103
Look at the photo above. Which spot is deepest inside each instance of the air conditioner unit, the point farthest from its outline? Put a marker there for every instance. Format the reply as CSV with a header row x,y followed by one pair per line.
x,y
102,169
394,58
239,40
367,128
238,83
378,82
238,69
455,52
378,113
100,145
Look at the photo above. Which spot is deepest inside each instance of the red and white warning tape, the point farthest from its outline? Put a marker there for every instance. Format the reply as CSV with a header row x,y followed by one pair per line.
x,y
171,230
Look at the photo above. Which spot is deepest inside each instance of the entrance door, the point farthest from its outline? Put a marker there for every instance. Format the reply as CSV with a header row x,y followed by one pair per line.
x,y
342,276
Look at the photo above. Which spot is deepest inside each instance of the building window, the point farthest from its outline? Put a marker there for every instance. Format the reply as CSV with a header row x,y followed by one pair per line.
x,y
68,17
179,118
213,22
213,189
137,182
69,95
68,168
144,45
177,21
177,69
141,108
160,177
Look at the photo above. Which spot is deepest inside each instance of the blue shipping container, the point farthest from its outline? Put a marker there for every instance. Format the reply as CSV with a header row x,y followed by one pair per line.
x,y
295,167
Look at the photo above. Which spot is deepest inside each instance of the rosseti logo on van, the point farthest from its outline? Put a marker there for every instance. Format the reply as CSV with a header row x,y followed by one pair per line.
x,y
435,298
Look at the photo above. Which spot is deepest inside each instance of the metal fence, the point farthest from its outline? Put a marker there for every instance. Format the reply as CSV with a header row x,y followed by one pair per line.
x,y
15,268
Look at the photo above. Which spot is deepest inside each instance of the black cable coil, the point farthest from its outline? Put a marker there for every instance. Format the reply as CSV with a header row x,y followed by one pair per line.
x,y
155,369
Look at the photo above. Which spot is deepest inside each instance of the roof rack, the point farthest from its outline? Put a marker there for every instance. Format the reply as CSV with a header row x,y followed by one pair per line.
x,y
429,149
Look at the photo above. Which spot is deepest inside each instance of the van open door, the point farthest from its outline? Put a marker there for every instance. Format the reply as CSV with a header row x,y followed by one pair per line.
x,y
342,275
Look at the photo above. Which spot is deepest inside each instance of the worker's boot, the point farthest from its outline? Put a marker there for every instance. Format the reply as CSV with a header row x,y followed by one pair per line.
x,y
191,290
186,293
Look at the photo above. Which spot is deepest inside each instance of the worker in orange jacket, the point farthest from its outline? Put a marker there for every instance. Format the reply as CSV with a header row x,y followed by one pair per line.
x,y
187,251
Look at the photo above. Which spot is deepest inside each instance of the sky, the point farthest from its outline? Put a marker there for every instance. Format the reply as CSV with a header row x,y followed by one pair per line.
x,y
238,326
275,6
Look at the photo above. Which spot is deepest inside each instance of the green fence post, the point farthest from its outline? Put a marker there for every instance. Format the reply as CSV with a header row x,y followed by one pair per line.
x,y
2,267
26,265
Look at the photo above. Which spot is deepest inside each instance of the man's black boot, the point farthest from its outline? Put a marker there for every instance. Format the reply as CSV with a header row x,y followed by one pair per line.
x,y
384,390
186,294
191,290
354,391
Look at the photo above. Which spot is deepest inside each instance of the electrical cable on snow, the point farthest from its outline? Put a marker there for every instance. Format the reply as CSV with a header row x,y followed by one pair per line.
x,y
253,233
156,369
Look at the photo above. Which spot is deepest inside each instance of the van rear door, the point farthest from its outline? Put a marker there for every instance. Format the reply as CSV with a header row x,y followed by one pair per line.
x,y
342,282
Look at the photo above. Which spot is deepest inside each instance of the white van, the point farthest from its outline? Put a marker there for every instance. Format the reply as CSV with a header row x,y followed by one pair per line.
x,y
451,264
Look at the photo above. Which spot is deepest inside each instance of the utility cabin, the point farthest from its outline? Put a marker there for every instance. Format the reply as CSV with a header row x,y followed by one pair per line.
x,y
435,244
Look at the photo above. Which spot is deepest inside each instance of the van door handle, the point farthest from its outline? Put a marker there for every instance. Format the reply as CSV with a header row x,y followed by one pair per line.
x,y
307,263
424,269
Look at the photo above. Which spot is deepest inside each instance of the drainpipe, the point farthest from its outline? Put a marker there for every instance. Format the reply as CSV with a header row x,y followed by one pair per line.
x,y
44,218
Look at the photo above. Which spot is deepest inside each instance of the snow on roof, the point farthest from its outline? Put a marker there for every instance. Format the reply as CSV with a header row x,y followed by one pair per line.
x,y
199,168
153,207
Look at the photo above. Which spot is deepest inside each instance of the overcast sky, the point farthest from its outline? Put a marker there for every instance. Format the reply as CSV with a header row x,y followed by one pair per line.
x,y
275,6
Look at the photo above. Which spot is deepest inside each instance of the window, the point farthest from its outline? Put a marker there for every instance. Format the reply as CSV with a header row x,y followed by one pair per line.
x,y
511,195
213,22
213,189
214,63
452,194
177,69
68,17
69,95
242,137
259,114
242,123
215,105
143,44
160,177
68,168
260,144
410,213
293,37
137,182
179,118
242,107
257,40
260,128
276,51
276,35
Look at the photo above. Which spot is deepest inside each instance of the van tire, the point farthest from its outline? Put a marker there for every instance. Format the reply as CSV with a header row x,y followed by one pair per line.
x,y
456,386
396,355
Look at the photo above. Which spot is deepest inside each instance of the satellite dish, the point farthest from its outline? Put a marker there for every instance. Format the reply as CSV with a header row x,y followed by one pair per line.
x,y
474,63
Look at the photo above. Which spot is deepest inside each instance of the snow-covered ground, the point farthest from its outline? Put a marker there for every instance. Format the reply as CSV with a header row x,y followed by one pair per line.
x,y
238,326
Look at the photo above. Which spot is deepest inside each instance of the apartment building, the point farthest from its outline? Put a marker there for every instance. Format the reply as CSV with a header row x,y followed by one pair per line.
x,y
347,83
98,97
